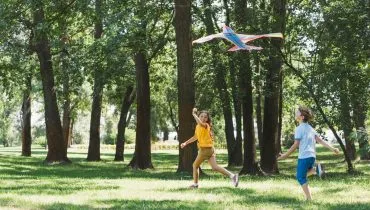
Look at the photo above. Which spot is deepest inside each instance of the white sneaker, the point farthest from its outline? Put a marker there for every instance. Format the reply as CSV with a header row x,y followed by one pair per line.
x,y
320,170
235,180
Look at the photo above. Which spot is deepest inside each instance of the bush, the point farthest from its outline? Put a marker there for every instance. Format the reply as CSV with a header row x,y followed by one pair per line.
x,y
109,139
130,136
40,140
77,138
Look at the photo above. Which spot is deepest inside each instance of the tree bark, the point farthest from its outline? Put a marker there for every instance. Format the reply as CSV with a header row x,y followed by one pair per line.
x,y
128,99
250,165
221,86
271,104
142,155
238,153
186,93
26,118
359,102
258,86
94,143
345,119
54,133
280,116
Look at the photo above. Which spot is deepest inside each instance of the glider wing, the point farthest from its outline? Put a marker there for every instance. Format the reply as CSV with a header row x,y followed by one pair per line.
x,y
247,38
208,38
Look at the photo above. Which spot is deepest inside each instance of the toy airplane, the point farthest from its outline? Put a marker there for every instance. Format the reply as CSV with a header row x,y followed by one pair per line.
x,y
238,40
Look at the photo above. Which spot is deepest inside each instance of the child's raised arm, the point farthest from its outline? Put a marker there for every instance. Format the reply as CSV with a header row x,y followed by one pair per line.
x,y
325,144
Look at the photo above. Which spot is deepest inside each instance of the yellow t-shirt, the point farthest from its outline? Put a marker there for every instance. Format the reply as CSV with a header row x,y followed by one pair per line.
x,y
203,134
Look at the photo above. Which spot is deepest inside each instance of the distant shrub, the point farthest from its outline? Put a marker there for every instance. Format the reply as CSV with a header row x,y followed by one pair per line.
x,y
40,140
130,136
109,139
77,138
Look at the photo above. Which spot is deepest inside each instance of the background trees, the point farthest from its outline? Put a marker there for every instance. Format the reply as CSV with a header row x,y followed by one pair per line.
x,y
94,56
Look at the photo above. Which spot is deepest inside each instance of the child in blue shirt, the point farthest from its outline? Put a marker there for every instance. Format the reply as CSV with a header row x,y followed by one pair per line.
x,y
305,139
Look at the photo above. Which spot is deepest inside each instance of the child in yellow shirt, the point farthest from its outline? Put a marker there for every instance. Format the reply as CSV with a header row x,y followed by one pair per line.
x,y
206,150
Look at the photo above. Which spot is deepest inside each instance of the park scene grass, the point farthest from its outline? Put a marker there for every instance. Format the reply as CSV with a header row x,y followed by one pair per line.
x,y
27,183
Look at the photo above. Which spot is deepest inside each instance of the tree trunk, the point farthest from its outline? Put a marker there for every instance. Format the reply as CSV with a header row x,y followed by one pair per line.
x,y
271,107
250,165
186,93
345,119
142,155
221,85
258,101
359,101
280,117
165,134
128,98
70,133
94,143
26,118
237,153
66,105
54,133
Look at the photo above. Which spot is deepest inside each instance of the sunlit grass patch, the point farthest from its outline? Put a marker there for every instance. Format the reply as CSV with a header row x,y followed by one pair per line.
x,y
27,183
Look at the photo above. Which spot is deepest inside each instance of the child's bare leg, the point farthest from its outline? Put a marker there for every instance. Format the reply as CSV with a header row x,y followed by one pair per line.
x,y
215,167
307,191
195,175
196,166
310,172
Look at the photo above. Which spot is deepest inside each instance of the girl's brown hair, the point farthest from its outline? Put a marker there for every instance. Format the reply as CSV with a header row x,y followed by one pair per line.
x,y
306,113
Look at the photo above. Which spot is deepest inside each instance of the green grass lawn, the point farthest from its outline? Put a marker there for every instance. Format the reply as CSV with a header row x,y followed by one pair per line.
x,y
26,183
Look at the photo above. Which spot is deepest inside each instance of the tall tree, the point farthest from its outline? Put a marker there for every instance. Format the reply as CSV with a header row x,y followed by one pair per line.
x,y
94,143
345,119
128,99
54,134
186,93
26,118
142,154
250,166
221,85
271,103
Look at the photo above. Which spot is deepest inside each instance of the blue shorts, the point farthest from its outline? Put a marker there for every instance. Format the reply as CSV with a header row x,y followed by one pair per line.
x,y
303,166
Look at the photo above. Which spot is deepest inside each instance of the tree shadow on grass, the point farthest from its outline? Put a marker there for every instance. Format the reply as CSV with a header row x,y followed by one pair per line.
x,y
345,206
58,189
248,197
68,206
162,204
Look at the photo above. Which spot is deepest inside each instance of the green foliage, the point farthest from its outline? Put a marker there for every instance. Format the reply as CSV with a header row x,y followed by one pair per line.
x,y
130,136
77,138
40,140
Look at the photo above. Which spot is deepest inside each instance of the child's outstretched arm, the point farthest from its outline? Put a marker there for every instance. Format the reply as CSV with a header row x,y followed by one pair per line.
x,y
191,140
197,118
290,151
325,144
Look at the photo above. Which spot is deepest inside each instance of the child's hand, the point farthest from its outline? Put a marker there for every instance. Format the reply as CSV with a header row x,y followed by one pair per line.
x,y
281,156
183,145
195,110
336,151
